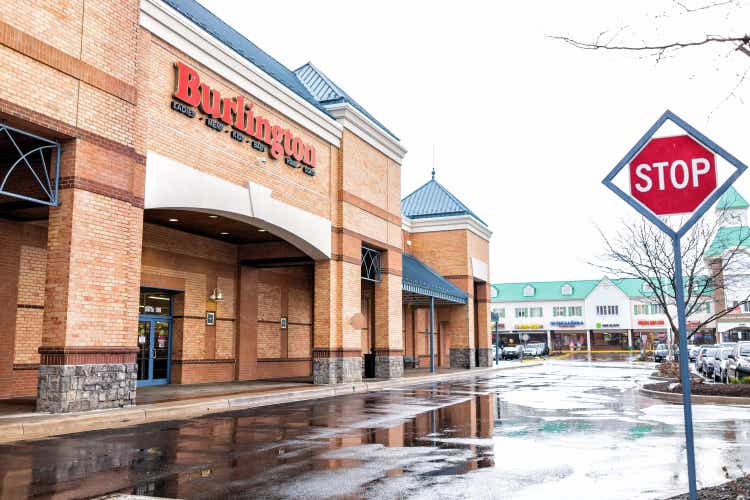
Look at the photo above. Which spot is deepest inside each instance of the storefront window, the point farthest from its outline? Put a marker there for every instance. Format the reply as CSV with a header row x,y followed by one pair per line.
x,y
155,303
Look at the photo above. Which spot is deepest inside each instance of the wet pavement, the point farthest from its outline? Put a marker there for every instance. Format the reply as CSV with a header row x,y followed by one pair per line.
x,y
568,429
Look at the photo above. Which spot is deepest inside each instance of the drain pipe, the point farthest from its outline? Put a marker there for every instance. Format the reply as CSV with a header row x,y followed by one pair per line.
x,y
432,334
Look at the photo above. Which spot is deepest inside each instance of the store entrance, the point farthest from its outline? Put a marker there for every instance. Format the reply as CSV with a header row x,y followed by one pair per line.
x,y
154,338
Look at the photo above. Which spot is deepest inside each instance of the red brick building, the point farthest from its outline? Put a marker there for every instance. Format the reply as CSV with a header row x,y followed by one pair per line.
x,y
176,206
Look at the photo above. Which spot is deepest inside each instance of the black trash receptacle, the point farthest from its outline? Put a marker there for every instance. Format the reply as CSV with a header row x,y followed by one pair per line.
x,y
369,366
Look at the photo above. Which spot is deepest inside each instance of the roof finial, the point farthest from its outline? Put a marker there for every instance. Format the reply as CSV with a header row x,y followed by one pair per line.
x,y
433,173
433,161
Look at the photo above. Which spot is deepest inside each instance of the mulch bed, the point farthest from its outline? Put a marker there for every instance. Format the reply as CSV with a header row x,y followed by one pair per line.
x,y
727,491
731,390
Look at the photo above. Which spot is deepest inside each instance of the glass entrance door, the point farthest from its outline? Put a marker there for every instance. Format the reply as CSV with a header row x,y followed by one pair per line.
x,y
154,343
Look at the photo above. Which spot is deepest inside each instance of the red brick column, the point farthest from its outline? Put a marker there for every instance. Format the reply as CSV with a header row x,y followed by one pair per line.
x,y
93,278
389,341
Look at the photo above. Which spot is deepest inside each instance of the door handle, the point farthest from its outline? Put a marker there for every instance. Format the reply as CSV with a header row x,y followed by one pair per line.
x,y
153,353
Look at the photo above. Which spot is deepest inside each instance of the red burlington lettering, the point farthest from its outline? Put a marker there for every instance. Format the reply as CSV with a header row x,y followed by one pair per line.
x,y
288,142
277,136
229,110
238,113
297,149
210,101
187,84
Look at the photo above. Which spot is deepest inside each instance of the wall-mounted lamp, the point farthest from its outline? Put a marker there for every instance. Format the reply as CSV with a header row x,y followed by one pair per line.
x,y
216,295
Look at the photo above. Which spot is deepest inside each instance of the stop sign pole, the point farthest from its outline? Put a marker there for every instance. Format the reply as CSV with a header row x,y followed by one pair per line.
x,y
675,176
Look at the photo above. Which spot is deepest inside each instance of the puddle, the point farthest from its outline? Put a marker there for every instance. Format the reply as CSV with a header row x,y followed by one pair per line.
x,y
563,430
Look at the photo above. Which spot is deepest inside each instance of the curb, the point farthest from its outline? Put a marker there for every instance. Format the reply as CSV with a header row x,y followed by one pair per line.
x,y
673,397
36,426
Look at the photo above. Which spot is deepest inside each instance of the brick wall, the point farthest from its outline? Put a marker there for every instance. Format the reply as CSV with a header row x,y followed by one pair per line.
x,y
195,265
22,277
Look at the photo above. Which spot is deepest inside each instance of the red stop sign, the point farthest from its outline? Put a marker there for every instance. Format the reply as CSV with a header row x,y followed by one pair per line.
x,y
672,175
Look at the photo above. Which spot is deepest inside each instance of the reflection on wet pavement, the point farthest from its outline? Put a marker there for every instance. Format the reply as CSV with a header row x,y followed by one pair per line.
x,y
562,430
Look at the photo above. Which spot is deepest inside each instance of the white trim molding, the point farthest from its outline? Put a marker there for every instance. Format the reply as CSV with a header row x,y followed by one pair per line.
x,y
352,119
170,184
174,28
480,269
448,223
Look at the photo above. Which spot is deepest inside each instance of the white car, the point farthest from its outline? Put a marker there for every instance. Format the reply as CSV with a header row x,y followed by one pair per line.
x,y
720,364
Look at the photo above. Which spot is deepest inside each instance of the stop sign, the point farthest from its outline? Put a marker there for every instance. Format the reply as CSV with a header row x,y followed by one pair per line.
x,y
672,175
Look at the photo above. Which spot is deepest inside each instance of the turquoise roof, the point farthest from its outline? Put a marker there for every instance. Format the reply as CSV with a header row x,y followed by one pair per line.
x,y
432,199
543,290
731,199
552,290
729,237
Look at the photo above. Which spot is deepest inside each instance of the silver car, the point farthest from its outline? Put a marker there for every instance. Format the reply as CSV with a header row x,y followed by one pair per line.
x,y
720,364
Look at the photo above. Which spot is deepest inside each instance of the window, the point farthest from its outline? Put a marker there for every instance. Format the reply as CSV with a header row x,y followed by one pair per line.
x,y
705,307
536,312
522,312
645,288
559,311
370,268
746,307
528,291
501,313
656,309
575,311
607,310
493,292
640,309
566,290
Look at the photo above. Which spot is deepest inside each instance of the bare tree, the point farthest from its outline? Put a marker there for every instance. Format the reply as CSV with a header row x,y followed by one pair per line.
x,y
640,250
617,40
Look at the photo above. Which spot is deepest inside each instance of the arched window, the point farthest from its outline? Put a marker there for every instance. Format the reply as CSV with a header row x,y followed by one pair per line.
x,y
566,289
493,292
528,291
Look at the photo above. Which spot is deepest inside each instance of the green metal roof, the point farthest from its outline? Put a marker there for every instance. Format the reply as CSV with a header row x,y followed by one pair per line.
x,y
729,237
552,290
731,199
543,290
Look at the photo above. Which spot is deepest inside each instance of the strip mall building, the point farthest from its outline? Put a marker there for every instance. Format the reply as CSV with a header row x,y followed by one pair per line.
x,y
178,207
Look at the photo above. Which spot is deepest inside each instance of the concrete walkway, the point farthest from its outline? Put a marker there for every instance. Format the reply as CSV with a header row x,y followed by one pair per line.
x,y
36,425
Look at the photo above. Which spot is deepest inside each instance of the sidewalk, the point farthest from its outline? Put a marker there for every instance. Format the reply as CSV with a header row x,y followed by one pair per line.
x,y
36,425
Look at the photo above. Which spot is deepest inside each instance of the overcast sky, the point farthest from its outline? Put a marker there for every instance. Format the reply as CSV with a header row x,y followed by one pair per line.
x,y
524,127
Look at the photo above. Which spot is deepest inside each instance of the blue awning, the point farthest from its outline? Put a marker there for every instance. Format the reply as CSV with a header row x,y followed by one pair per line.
x,y
418,279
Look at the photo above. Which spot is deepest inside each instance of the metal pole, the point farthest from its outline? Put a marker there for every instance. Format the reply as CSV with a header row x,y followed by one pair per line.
x,y
684,370
432,334
497,343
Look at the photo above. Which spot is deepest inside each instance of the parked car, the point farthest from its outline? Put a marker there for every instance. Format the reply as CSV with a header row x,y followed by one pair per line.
x,y
708,361
534,349
720,364
693,350
738,364
699,360
660,353
513,352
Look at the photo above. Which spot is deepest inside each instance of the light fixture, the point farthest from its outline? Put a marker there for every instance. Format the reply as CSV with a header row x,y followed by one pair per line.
x,y
216,295
223,233
173,220
261,230
213,216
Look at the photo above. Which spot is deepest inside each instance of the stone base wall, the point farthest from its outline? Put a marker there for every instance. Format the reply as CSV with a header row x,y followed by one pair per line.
x,y
462,357
337,370
486,356
67,388
389,366
411,362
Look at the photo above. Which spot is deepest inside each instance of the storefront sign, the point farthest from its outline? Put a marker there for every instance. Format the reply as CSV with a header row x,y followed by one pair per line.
x,y
608,325
650,322
237,112
566,324
532,326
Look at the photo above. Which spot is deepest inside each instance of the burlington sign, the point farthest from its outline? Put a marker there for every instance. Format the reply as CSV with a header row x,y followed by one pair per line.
x,y
237,113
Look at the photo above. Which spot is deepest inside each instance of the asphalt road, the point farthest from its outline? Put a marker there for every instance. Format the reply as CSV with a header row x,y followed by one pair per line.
x,y
568,429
